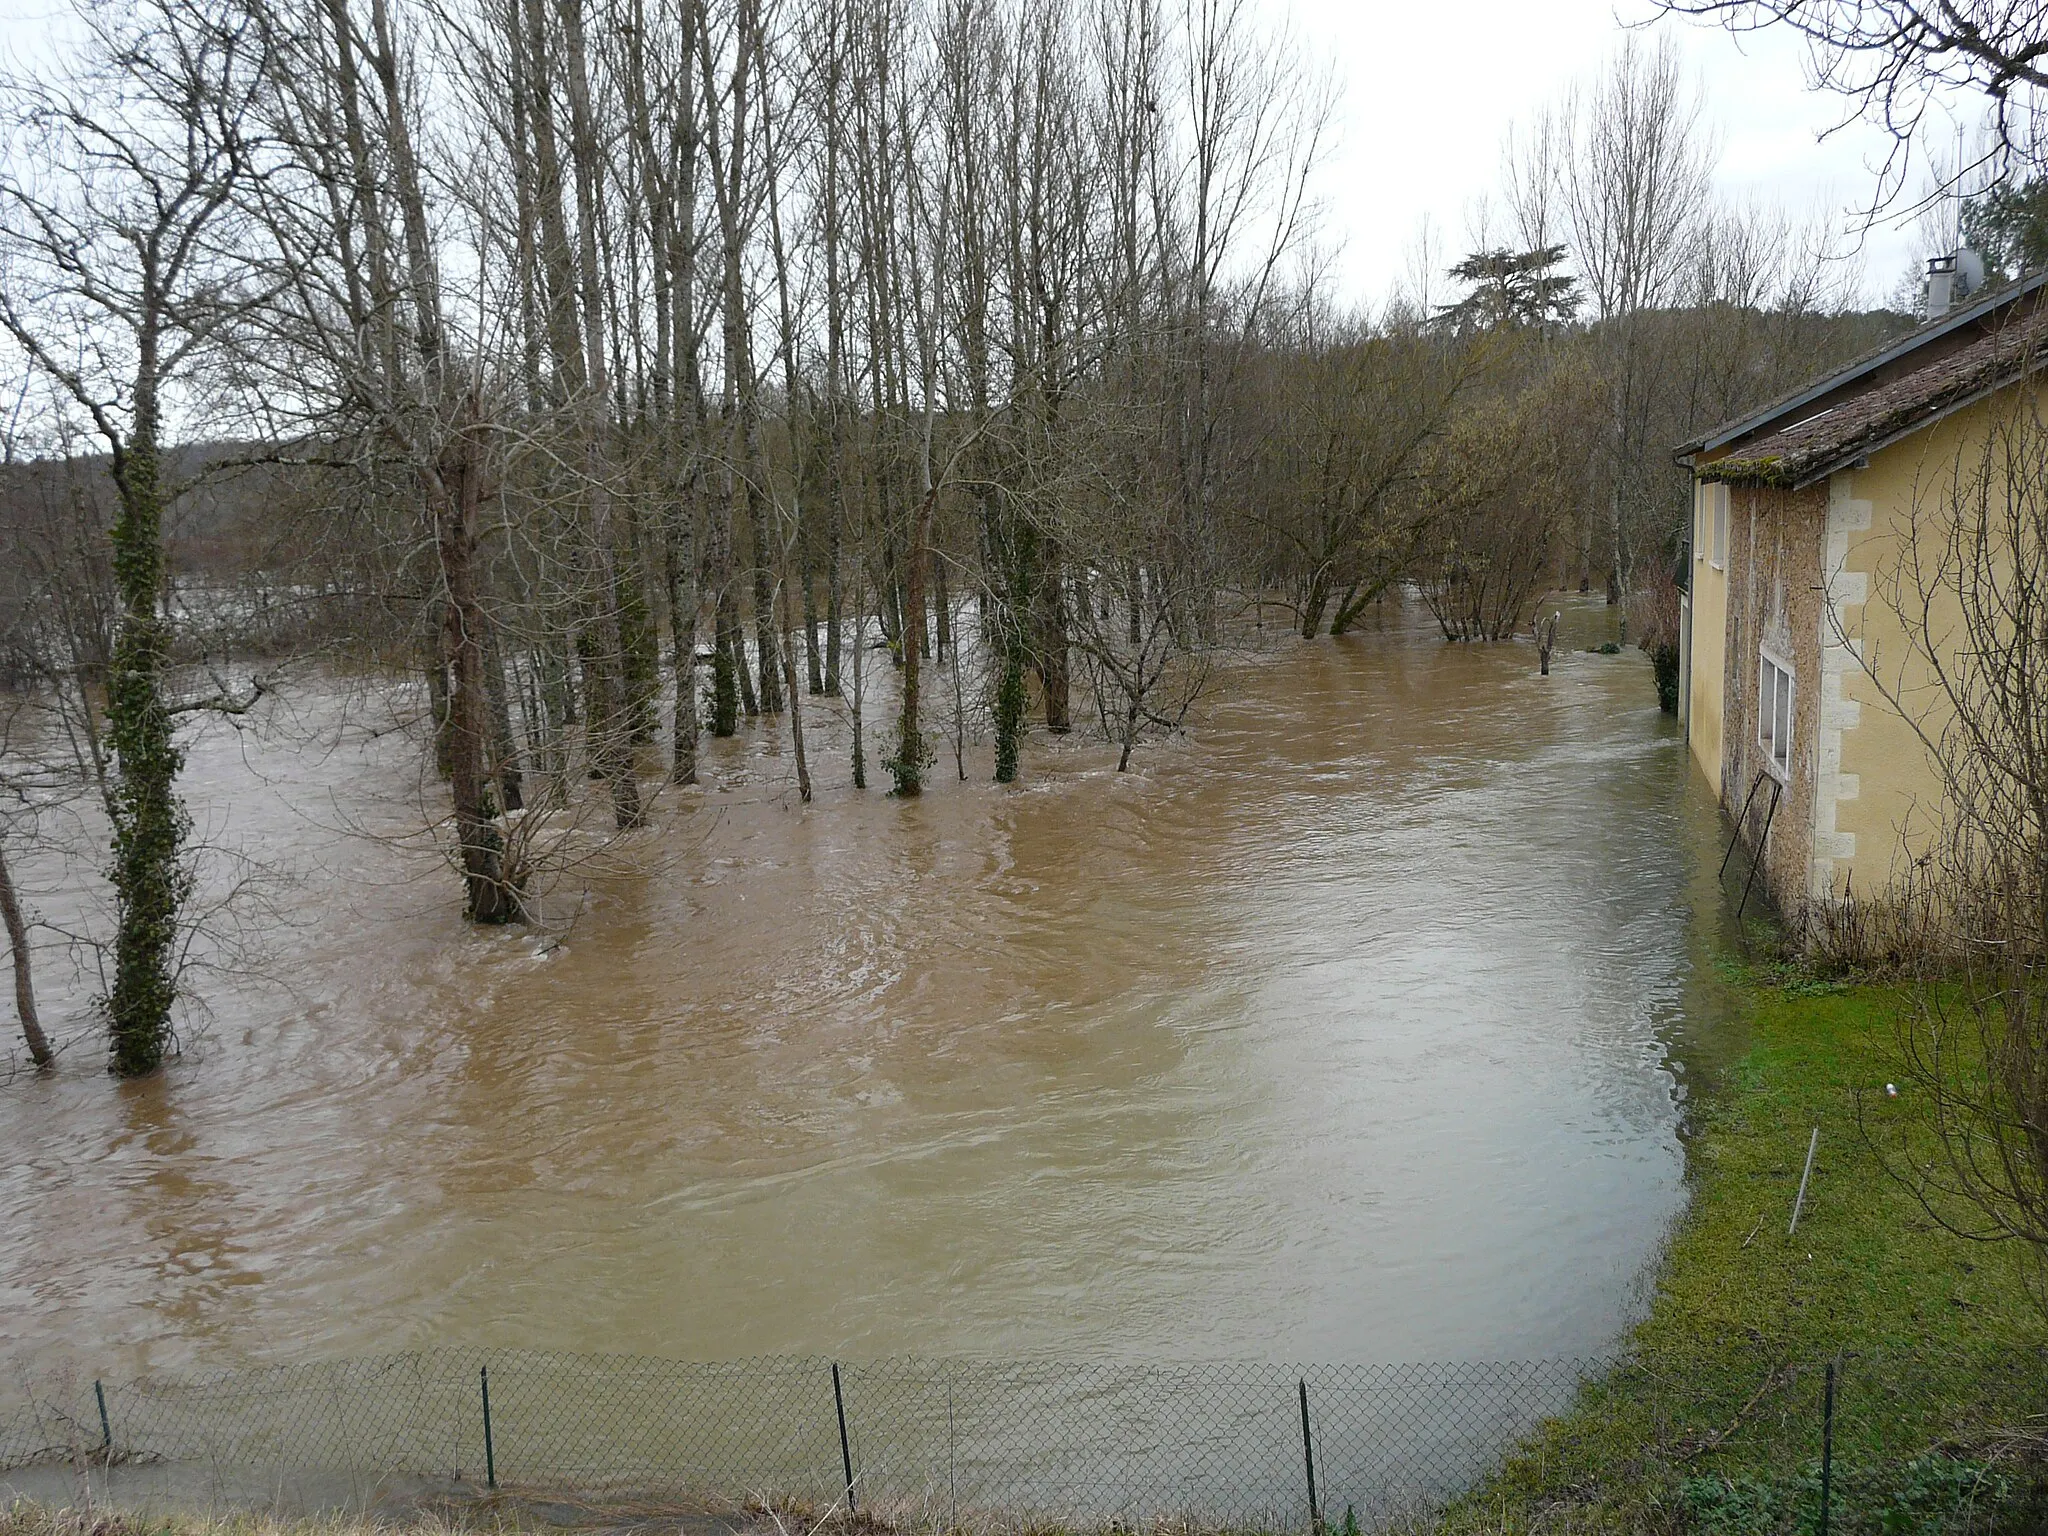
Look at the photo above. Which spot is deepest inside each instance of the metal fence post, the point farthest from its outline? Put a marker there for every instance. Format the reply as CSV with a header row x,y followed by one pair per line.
x,y
1308,1456
845,1450
106,1430
490,1450
1827,1446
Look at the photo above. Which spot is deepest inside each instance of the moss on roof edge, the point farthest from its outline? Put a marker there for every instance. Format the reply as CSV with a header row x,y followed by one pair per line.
x,y
1772,471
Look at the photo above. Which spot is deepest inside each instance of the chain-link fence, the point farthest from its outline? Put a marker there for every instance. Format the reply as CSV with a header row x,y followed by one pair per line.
x,y
1068,1442
1747,1442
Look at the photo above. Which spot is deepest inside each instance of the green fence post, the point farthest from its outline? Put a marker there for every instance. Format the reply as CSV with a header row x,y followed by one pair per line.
x,y
106,1430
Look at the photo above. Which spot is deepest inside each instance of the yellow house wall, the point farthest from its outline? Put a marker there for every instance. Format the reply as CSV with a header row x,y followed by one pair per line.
x,y
1878,797
1708,662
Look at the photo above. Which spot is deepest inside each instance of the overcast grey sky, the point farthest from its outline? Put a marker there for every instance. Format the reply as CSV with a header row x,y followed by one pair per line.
x,y
1429,89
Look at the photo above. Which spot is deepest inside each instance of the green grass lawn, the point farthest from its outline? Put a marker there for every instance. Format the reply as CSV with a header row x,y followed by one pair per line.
x,y
1715,1426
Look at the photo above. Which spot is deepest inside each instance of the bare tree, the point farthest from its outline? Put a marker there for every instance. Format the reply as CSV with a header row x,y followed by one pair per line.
x,y
1498,489
1638,170
1895,61
126,266
1970,585
1350,414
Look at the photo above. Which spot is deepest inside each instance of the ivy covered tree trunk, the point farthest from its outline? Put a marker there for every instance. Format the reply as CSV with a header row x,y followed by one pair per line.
x,y
149,875
908,765
1009,703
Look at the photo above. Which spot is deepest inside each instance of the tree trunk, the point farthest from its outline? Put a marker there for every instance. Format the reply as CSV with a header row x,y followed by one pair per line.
x,y
610,724
640,646
796,705
1009,702
504,745
834,603
491,892
24,988
1053,670
907,766
682,621
814,668
149,877
436,672
859,642
1314,605
766,645
737,639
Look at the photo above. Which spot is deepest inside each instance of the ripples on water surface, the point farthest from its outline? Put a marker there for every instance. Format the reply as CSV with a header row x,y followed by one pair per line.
x,y
1344,1031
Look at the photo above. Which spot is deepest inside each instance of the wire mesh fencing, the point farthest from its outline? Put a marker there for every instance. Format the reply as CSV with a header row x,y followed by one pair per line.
x,y
1743,1438
1074,1443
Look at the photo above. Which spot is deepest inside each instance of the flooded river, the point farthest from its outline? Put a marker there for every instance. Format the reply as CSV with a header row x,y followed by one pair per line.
x,y
1347,1029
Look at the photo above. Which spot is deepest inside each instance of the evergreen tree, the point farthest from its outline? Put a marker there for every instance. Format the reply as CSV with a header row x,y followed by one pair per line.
x,y
1511,290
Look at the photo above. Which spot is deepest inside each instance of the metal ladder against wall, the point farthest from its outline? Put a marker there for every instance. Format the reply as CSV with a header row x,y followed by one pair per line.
x,y
1770,815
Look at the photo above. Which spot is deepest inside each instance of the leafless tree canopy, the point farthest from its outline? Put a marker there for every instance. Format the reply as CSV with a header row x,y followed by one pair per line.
x,y
1970,587
1896,62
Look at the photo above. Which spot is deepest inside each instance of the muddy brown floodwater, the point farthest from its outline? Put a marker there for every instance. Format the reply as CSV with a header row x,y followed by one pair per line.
x,y
1348,1029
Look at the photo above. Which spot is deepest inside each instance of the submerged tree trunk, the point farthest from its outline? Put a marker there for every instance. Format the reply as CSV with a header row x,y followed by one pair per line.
x,y
24,980
491,892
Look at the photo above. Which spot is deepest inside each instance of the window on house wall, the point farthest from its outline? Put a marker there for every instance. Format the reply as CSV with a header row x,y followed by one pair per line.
x,y
1774,713
1717,526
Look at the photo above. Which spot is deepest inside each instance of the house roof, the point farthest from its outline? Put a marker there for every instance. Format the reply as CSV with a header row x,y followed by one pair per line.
x,y
1813,447
1928,354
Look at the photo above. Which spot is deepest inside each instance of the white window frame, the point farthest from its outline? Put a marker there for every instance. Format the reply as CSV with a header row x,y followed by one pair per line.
x,y
1777,709
1716,545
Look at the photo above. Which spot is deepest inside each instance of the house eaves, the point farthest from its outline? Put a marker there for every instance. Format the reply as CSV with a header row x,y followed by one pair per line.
x,y
1862,423
1951,327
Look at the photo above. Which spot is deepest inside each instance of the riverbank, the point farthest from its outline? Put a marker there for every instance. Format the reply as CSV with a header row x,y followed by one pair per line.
x,y
1716,1425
